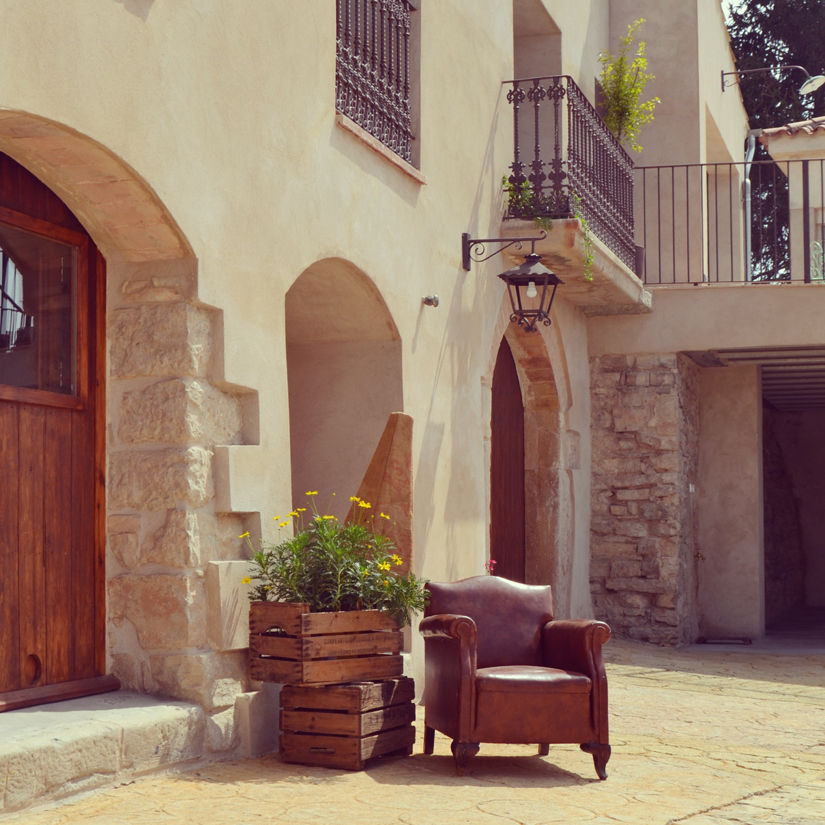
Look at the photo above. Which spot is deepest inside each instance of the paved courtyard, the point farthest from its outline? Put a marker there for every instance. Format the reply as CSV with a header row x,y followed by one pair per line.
x,y
702,736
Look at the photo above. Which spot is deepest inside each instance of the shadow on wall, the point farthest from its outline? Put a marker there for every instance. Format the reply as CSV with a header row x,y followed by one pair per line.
x,y
344,372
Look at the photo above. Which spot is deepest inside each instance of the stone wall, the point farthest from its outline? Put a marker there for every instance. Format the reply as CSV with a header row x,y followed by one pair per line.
x,y
645,435
166,413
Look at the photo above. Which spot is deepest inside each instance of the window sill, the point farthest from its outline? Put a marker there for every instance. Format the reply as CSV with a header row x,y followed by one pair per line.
x,y
365,137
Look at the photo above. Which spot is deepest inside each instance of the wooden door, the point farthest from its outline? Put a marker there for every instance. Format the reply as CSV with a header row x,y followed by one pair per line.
x,y
507,469
51,449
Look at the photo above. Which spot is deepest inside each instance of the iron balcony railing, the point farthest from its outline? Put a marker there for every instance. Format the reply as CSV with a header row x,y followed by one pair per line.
x,y
567,163
727,222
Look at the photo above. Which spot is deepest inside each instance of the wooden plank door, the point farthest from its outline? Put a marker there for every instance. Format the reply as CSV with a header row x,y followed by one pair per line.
x,y
51,451
507,469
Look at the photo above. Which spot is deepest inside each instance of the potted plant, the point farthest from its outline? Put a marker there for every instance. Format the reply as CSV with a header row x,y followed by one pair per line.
x,y
327,602
622,83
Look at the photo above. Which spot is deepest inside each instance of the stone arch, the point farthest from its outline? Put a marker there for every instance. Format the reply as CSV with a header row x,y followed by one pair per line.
x,y
545,509
344,372
167,408
117,207
542,456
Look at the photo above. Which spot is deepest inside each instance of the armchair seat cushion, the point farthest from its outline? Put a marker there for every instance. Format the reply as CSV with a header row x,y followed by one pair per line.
x,y
530,679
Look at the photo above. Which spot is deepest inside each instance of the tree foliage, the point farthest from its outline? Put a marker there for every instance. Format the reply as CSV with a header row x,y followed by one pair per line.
x,y
623,80
773,33
766,33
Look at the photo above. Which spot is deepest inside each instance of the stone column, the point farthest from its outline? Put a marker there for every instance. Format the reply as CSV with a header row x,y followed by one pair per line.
x,y
645,437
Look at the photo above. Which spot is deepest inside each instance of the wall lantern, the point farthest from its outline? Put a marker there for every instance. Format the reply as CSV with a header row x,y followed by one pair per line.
x,y
531,280
810,84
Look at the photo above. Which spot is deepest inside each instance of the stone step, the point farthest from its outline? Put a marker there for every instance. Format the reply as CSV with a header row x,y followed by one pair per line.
x,y
52,751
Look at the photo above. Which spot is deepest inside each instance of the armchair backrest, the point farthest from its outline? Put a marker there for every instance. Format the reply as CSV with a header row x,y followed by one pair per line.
x,y
509,616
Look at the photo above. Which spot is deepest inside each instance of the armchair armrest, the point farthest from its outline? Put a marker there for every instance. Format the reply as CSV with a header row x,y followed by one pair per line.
x,y
449,626
575,644
450,652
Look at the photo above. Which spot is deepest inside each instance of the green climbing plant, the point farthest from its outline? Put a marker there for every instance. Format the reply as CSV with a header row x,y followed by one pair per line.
x,y
587,239
623,80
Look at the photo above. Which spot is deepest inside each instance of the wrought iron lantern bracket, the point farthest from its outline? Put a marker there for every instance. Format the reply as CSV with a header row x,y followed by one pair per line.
x,y
525,283
475,249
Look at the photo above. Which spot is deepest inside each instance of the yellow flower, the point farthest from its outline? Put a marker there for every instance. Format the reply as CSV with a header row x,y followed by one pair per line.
x,y
282,523
276,518
244,535
396,559
383,565
328,518
245,580
311,492
294,514
384,515
386,582
354,498
300,509
365,504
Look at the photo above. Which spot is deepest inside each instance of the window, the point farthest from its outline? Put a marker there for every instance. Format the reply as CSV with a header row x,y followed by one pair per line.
x,y
38,312
372,69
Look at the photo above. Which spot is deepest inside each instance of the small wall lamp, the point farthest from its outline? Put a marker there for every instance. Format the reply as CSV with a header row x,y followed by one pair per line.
x,y
528,281
810,84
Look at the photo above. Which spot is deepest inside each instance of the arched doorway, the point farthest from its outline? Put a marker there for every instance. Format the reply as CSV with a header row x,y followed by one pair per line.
x,y
52,588
529,519
507,468
344,372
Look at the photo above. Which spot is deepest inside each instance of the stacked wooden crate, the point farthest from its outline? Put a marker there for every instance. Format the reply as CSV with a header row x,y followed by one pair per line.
x,y
344,700
342,726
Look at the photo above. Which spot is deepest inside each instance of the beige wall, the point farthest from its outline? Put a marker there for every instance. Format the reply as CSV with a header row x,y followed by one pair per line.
x,y
198,142
730,565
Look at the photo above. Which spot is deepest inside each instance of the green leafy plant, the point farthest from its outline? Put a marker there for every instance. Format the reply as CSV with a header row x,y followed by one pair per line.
x,y
335,566
623,80
519,195
587,239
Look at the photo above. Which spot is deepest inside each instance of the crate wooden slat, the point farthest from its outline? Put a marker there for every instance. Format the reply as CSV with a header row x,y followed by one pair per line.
x,y
342,726
291,645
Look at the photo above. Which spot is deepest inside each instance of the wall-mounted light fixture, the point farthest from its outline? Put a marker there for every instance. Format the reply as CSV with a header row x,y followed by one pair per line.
x,y
810,84
532,279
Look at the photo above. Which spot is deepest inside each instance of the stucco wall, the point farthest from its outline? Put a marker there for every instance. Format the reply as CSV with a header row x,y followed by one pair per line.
x,y
731,593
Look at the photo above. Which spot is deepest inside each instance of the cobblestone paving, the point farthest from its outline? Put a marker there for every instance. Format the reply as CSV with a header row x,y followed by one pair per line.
x,y
700,737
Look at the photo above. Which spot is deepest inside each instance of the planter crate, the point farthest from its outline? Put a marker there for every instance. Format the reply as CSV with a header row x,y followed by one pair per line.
x,y
291,645
342,726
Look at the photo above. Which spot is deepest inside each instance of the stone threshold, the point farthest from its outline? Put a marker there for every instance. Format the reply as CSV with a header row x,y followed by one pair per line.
x,y
52,751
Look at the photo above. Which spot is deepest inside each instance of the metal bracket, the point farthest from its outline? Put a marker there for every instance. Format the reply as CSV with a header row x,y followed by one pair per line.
x,y
474,249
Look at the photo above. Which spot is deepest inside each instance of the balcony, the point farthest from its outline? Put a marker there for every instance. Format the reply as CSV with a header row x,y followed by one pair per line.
x,y
732,222
572,177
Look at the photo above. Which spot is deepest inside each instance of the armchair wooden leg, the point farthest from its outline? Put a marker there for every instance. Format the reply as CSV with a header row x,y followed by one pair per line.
x,y
601,753
463,752
429,739
544,749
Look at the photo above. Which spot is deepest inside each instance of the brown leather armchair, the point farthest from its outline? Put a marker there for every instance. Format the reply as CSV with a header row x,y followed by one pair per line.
x,y
498,668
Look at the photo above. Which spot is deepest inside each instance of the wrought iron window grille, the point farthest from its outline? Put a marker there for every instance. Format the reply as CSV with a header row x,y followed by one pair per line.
x,y
372,69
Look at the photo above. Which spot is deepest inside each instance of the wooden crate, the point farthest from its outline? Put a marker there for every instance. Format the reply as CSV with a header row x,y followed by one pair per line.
x,y
291,645
342,726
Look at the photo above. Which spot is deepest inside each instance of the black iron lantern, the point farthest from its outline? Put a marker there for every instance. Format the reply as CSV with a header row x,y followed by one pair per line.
x,y
524,283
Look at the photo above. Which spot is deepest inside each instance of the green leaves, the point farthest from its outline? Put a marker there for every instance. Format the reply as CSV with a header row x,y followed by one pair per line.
x,y
623,80
333,566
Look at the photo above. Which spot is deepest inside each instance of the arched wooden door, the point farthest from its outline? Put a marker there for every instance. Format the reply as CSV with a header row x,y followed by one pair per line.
x,y
507,469
52,618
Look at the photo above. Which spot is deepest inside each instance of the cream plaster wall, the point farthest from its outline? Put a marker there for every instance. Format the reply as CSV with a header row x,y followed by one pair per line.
x,y
215,124
730,564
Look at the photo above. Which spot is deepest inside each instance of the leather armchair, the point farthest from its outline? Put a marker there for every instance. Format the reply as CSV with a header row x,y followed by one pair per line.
x,y
498,668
